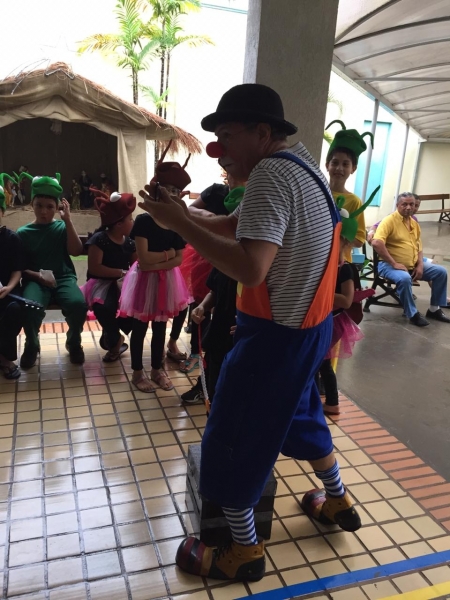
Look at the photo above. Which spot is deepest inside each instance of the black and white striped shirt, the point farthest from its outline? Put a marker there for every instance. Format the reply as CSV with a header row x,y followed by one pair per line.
x,y
283,204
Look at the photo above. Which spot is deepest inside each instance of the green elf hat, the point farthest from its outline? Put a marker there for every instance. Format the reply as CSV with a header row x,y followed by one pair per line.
x,y
4,176
349,139
43,185
349,222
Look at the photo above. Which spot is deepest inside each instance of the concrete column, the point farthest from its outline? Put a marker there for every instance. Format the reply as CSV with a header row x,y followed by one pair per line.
x,y
290,48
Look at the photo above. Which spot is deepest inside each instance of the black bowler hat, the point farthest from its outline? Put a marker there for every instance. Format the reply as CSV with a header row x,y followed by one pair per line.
x,y
250,103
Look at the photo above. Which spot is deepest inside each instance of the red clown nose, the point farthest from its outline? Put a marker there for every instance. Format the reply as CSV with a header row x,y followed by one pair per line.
x,y
215,150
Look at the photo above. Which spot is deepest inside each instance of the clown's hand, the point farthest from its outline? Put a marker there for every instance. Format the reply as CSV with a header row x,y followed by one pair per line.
x,y
167,210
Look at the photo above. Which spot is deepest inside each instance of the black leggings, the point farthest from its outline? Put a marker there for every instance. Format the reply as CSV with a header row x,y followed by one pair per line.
x,y
329,383
177,324
138,331
106,316
11,322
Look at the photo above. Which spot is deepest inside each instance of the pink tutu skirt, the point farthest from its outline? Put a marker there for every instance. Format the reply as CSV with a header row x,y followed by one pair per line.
x,y
96,290
153,295
195,270
345,335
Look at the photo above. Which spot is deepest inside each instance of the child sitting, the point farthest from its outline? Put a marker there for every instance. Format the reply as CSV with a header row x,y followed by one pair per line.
x,y
11,266
50,276
111,252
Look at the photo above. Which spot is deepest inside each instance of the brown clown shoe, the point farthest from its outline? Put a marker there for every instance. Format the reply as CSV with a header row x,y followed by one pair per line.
x,y
329,510
231,561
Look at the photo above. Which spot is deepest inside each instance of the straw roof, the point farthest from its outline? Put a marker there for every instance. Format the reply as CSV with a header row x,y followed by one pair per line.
x,y
94,101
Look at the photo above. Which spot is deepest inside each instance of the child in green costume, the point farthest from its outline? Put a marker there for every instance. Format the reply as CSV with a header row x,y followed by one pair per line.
x,y
341,162
50,276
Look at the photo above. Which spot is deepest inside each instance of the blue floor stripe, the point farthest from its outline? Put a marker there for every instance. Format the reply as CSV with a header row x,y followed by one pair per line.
x,y
355,577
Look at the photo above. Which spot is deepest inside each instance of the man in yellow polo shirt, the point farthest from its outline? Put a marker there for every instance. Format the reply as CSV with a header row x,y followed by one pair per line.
x,y
399,245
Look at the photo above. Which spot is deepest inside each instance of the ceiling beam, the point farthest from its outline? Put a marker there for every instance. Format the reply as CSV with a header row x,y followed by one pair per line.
x,y
397,49
394,29
428,79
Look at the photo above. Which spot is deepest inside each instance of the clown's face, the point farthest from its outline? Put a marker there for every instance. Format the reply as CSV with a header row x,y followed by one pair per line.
x,y
244,147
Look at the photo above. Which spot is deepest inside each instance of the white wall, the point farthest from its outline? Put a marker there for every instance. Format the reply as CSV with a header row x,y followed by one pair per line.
x,y
433,175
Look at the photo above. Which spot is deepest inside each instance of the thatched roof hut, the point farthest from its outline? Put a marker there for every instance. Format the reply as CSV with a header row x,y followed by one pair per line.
x,y
57,94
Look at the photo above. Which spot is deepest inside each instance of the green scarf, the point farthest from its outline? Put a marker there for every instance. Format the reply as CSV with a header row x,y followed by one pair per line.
x,y
234,198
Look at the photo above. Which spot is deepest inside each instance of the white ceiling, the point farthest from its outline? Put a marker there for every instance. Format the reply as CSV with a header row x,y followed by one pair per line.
x,y
399,51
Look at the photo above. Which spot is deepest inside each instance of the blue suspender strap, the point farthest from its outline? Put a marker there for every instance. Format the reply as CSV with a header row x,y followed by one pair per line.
x,y
331,203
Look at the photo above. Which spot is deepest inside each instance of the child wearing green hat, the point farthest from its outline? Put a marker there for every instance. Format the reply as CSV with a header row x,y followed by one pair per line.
x,y
341,162
346,308
51,276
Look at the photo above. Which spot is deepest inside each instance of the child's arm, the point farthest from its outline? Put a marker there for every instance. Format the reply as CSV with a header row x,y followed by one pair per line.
x,y
74,245
95,267
345,298
12,283
148,259
208,303
166,265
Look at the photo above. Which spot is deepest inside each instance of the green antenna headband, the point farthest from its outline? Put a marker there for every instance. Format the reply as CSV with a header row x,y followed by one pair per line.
x,y
349,222
349,139
44,185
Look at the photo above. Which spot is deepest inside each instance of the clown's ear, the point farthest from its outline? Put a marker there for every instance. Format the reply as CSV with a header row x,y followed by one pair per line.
x,y
341,123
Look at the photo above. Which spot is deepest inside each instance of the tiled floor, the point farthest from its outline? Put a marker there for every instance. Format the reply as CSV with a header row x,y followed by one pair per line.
x,y
92,497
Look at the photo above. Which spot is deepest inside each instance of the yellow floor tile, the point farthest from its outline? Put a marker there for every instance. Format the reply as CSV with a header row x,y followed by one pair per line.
x,y
400,532
426,527
374,538
381,511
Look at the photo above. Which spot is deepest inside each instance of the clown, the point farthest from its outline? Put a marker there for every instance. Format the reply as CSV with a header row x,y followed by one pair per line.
x,y
282,245
50,276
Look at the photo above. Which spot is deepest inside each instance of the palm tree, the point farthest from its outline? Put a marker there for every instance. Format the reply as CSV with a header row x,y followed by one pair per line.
x,y
160,102
165,29
131,47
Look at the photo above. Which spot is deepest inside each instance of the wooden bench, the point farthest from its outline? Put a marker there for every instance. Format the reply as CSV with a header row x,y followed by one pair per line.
x,y
444,212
